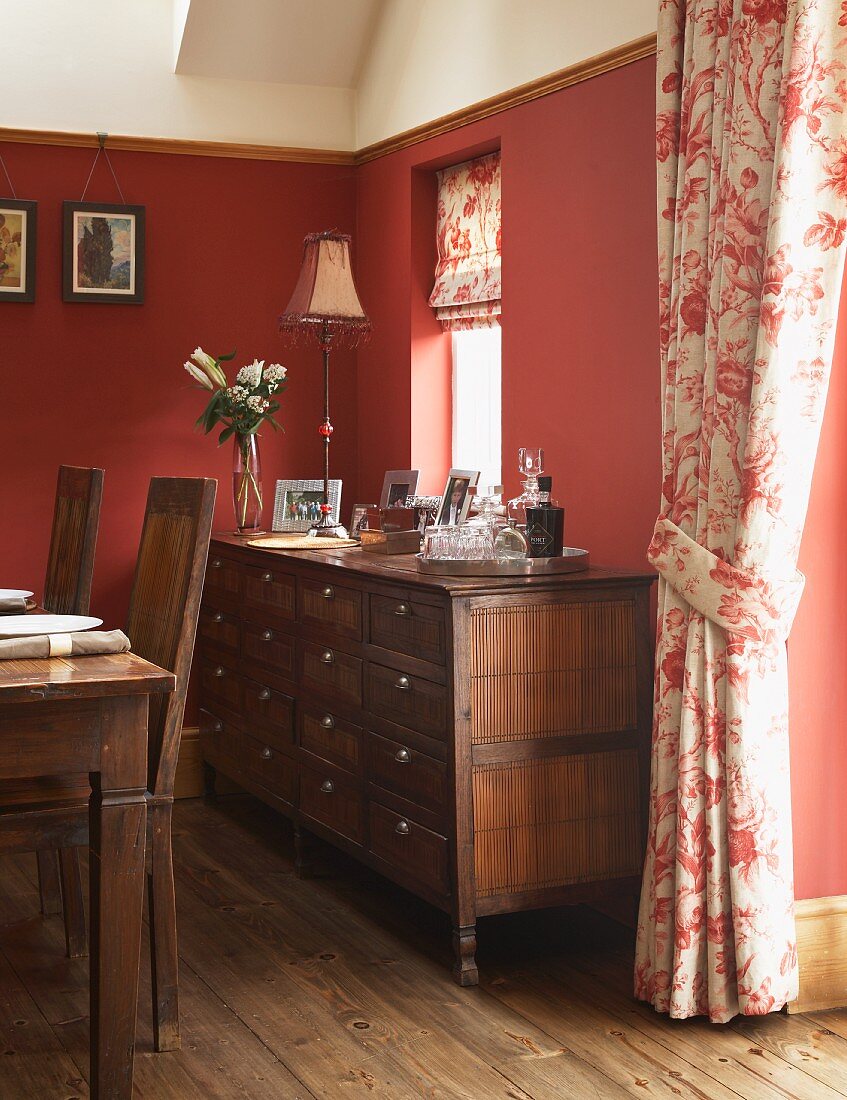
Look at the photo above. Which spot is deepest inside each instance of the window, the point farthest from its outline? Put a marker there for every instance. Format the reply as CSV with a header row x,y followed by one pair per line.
x,y
477,420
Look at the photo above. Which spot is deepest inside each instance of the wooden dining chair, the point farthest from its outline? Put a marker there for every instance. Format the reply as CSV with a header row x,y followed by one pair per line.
x,y
67,591
161,626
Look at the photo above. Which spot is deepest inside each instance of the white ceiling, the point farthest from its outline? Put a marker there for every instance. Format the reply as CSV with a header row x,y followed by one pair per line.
x,y
321,43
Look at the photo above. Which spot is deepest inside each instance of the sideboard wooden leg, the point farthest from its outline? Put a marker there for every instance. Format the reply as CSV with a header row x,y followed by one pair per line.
x,y
210,776
464,947
48,882
302,853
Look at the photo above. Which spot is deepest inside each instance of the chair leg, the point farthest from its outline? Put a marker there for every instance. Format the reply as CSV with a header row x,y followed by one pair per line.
x,y
48,882
72,903
164,960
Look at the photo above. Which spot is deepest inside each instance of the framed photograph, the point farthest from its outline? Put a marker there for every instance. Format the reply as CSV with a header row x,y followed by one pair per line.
x,y
396,486
17,250
456,501
297,504
103,247
358,520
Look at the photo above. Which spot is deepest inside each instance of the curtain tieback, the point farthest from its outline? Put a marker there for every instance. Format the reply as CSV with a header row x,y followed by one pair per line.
x,y
743,603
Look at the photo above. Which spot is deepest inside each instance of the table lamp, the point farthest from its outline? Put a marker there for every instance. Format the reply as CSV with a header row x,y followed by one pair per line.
x,y
326,307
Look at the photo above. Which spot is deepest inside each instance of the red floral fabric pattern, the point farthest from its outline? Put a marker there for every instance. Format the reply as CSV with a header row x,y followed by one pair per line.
x,y
466,293
751,138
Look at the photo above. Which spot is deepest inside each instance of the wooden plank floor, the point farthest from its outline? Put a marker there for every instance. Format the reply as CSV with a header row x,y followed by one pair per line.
x,y
340,987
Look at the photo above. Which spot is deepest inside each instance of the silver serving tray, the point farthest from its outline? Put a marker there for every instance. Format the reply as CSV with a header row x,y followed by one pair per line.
x,y
571,561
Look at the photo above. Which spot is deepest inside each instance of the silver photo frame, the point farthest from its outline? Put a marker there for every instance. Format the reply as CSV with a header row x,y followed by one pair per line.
x,y
294,501
458,482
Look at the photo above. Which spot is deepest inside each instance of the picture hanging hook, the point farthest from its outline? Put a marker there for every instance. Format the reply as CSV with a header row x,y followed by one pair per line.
x,y
101,139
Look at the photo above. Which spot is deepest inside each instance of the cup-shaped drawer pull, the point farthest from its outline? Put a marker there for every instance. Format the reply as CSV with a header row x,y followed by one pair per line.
x,y
328,593
328,722
265,694
217,725
403,756
217,617
403,610
267,754
327,786
327,657
215,563
403,827
267,635
267,577
403,683
220,671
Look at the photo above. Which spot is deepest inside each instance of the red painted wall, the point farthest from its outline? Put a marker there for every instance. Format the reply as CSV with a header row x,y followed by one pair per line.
x,y
103,385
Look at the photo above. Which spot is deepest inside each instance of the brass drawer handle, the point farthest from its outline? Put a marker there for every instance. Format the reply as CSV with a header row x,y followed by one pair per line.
x,y
327,786
328,593
215,563
217,617
403,610
267,576
265,694
403,827
219,671
403,756
267,635
217,725
328,722
328,657
403,683
267,754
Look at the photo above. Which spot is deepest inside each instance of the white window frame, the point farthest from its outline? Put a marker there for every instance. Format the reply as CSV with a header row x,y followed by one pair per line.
x,y
477,404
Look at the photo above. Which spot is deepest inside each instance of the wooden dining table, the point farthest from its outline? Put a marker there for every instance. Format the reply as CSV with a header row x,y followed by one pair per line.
x,y
63,716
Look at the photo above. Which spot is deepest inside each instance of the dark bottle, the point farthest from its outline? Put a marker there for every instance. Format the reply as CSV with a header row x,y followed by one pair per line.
x,y
545,524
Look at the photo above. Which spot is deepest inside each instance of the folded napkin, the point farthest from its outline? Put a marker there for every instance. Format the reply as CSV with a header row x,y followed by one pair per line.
x,y
79,643
13,605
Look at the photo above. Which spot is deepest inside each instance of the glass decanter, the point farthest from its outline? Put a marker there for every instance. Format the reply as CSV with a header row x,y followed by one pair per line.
x,y
530,466
510,544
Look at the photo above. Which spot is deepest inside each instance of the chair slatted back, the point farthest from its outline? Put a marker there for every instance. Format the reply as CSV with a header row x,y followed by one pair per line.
x,y
165,604
70,563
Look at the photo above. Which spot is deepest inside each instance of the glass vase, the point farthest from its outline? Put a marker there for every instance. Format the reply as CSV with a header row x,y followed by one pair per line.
x,y
246,483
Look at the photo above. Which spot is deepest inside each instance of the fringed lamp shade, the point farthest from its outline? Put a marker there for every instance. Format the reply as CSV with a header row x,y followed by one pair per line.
x,y
325,302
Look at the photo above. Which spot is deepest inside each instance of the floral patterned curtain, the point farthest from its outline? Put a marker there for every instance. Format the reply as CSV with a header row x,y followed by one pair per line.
x,y
467,276
752,152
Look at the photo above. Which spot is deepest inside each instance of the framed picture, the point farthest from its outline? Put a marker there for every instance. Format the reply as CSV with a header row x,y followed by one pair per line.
x,y
17,250
396,486
456,501
103,247
358,520
297,504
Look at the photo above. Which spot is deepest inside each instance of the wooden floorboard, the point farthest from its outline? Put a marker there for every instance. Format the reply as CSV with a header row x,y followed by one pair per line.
x,y
339,986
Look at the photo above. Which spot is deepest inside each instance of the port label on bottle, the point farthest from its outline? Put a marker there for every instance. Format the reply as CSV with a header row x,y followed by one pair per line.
x,y
540,541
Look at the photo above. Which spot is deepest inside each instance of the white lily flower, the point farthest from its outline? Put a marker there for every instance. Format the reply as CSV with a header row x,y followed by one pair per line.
x,y
199,376
202,358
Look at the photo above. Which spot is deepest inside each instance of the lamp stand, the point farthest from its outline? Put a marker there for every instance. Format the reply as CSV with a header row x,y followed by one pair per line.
x,y
325,528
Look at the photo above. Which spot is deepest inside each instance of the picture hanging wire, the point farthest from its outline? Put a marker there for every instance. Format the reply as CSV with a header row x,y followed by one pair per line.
x,y
101,148
8,177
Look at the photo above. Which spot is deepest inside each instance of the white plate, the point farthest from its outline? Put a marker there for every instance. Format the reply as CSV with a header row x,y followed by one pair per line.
x,y
24,626
14,594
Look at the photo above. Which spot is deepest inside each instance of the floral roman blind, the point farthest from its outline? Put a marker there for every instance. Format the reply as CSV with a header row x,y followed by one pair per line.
x,y
467,276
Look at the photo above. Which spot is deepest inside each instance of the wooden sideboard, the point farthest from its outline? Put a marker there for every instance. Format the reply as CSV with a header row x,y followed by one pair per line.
x,y
484,742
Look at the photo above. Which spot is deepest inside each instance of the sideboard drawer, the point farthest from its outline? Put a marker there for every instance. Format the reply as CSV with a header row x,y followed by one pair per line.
x,y
222,684
407,626
267,707
223,578
269,647
330,671
407,772
332,606
266,765
327,736
413,849
408,700
334,802
219,629
269,590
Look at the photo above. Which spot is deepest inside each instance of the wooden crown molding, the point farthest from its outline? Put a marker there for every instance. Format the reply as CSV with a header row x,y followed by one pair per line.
x,y
524,93
178,145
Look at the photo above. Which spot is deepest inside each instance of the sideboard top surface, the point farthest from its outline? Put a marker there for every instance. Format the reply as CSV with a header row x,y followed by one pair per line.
x,y
401,569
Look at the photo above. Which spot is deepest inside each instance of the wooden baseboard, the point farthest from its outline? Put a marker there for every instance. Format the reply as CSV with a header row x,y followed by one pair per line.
x,y
188,782
822,953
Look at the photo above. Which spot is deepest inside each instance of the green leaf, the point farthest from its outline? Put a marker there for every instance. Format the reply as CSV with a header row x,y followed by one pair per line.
x,y
225,434
226,358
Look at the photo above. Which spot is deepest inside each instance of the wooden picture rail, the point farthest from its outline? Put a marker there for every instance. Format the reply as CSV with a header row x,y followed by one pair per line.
x,y
564,78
